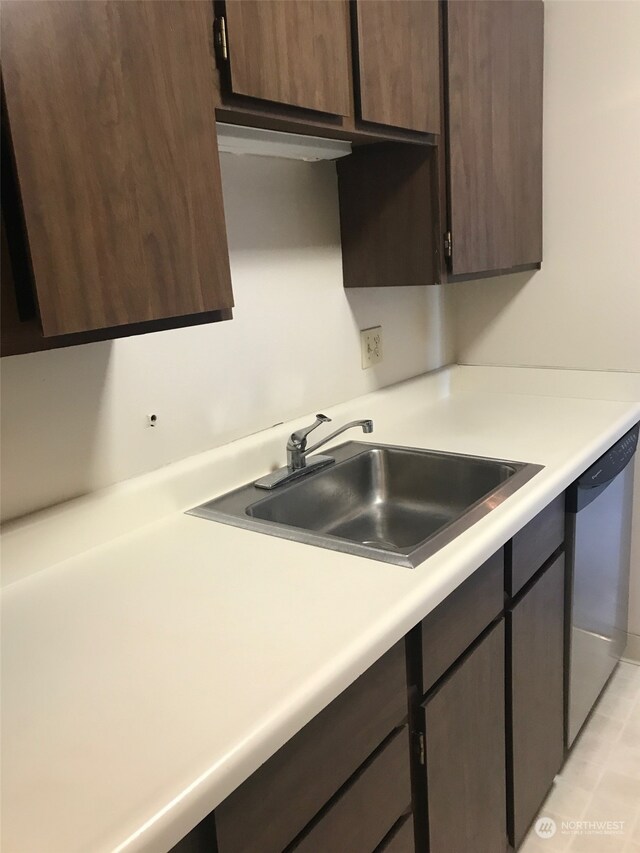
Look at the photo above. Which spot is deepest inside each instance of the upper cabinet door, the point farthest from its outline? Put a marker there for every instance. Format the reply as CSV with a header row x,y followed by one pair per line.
x,y
293,52
111,112
399,63
494,61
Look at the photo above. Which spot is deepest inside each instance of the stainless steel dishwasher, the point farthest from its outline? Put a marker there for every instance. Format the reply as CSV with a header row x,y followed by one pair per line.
x,y
599,506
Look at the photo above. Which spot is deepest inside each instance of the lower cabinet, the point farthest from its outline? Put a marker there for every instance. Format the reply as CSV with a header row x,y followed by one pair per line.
x,y
401,839
360,816
535,643
464,728
533,545
342,783
449,743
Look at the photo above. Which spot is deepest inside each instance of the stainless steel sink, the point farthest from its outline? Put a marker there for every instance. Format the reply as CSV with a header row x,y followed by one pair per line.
x,y
394,504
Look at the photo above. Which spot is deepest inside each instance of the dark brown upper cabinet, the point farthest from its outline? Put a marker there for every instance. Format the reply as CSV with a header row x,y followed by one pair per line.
x,y
110,112
293,52
389,217
364,70
472,205
398,63
494,72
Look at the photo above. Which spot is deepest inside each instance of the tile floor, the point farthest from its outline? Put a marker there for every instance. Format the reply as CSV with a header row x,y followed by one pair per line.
x,y
601,780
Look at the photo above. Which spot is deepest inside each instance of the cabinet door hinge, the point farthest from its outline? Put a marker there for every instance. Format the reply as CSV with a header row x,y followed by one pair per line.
x,y
220,38
448,244
421,756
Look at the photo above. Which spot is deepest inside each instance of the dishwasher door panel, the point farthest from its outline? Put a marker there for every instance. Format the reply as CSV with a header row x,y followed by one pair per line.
x,y
600,543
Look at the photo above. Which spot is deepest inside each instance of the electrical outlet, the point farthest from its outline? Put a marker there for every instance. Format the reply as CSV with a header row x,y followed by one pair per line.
x,y
371,346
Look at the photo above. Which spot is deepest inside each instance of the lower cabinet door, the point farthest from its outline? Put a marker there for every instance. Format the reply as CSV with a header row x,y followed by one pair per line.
x,y
275,804
464,724
535,635
401,839
361,815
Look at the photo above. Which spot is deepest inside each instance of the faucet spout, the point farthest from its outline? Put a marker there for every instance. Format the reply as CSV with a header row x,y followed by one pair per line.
x,y
366,425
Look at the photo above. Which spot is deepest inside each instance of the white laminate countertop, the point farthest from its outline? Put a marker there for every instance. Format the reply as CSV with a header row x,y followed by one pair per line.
x,y
151,661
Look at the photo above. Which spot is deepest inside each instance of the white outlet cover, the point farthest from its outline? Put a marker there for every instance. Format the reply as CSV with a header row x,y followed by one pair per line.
x,y
371,346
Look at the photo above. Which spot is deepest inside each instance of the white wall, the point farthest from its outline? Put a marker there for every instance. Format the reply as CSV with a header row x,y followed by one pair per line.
x,y
582,309
74,420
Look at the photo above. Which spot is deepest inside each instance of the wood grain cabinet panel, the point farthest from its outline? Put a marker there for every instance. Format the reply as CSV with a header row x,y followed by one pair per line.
x,y
464,614
465,754
362,814
389,221
275,804
526,70
111,111
398,62
401,840
494,103
532,546
293,52
536,640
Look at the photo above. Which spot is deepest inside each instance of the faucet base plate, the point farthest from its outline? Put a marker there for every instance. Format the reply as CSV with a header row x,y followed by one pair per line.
x,y
286,475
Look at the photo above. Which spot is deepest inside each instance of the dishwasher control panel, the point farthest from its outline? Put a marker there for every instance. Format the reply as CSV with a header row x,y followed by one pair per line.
x,y
612,462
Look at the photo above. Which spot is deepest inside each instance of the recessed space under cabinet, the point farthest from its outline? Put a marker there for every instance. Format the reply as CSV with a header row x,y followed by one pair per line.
x,y
389,215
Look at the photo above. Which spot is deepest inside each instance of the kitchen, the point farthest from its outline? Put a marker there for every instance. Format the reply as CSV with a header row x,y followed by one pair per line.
x,y
117,605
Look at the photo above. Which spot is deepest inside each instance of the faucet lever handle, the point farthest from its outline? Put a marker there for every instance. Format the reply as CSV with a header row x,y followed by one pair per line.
x,y
299,438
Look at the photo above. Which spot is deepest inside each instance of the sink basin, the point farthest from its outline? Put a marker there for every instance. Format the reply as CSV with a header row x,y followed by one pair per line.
x,y
395,504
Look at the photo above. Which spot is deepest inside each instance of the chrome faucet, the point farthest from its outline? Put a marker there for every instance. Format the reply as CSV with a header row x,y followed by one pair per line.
x,y
297,452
